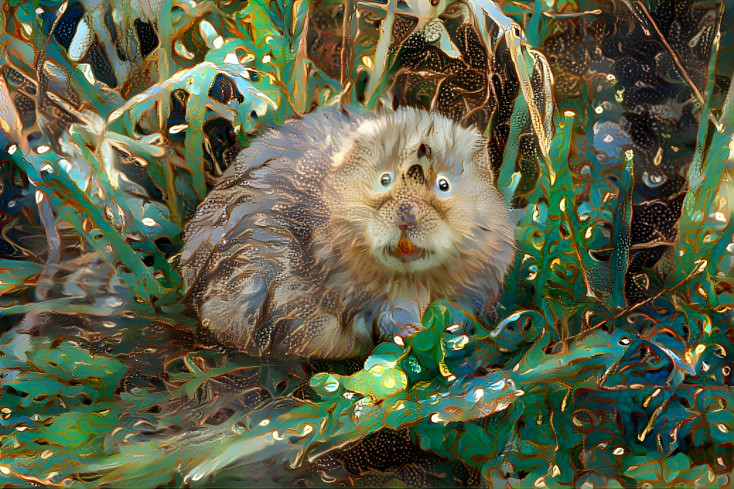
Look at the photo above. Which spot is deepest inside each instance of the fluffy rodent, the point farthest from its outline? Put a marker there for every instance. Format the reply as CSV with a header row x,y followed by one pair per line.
x,y
338,228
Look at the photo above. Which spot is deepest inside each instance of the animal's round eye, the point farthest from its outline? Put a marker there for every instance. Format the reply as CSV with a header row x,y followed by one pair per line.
x,y
386,179
443,185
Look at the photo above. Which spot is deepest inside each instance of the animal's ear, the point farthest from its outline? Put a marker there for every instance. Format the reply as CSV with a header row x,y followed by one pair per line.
x,y
353,158
481,159
481,144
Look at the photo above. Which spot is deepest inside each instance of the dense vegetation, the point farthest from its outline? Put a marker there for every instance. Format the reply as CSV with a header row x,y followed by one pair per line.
x,y
608,361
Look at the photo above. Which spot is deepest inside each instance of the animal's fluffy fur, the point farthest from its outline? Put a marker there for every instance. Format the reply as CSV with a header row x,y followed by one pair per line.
x,y
336,228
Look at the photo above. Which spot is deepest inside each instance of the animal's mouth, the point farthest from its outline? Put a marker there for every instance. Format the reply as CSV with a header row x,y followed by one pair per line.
x,y
406,251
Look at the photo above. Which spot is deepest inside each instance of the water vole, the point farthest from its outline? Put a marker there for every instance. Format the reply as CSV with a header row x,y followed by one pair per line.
x,y
338,228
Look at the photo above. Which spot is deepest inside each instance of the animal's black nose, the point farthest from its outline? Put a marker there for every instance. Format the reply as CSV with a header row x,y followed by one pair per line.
x,y
415,172
406,216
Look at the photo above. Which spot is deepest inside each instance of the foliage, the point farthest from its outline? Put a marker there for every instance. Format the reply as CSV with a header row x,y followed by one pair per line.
x,y
608,361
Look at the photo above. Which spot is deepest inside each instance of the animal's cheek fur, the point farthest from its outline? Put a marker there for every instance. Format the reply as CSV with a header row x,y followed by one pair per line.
x,y
380,234
346,188
441,240
459,214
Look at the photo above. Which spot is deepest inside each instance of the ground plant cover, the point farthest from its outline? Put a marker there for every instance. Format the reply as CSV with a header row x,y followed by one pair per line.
x,y
606,363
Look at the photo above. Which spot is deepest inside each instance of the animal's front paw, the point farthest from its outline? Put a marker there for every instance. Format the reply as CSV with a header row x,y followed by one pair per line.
x,y
400,319
407,329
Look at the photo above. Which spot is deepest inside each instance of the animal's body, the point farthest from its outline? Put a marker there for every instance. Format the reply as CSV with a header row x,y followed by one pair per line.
x,y
338,228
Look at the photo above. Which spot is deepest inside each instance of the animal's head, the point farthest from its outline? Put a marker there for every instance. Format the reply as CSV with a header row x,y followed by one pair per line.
x,y
414,191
